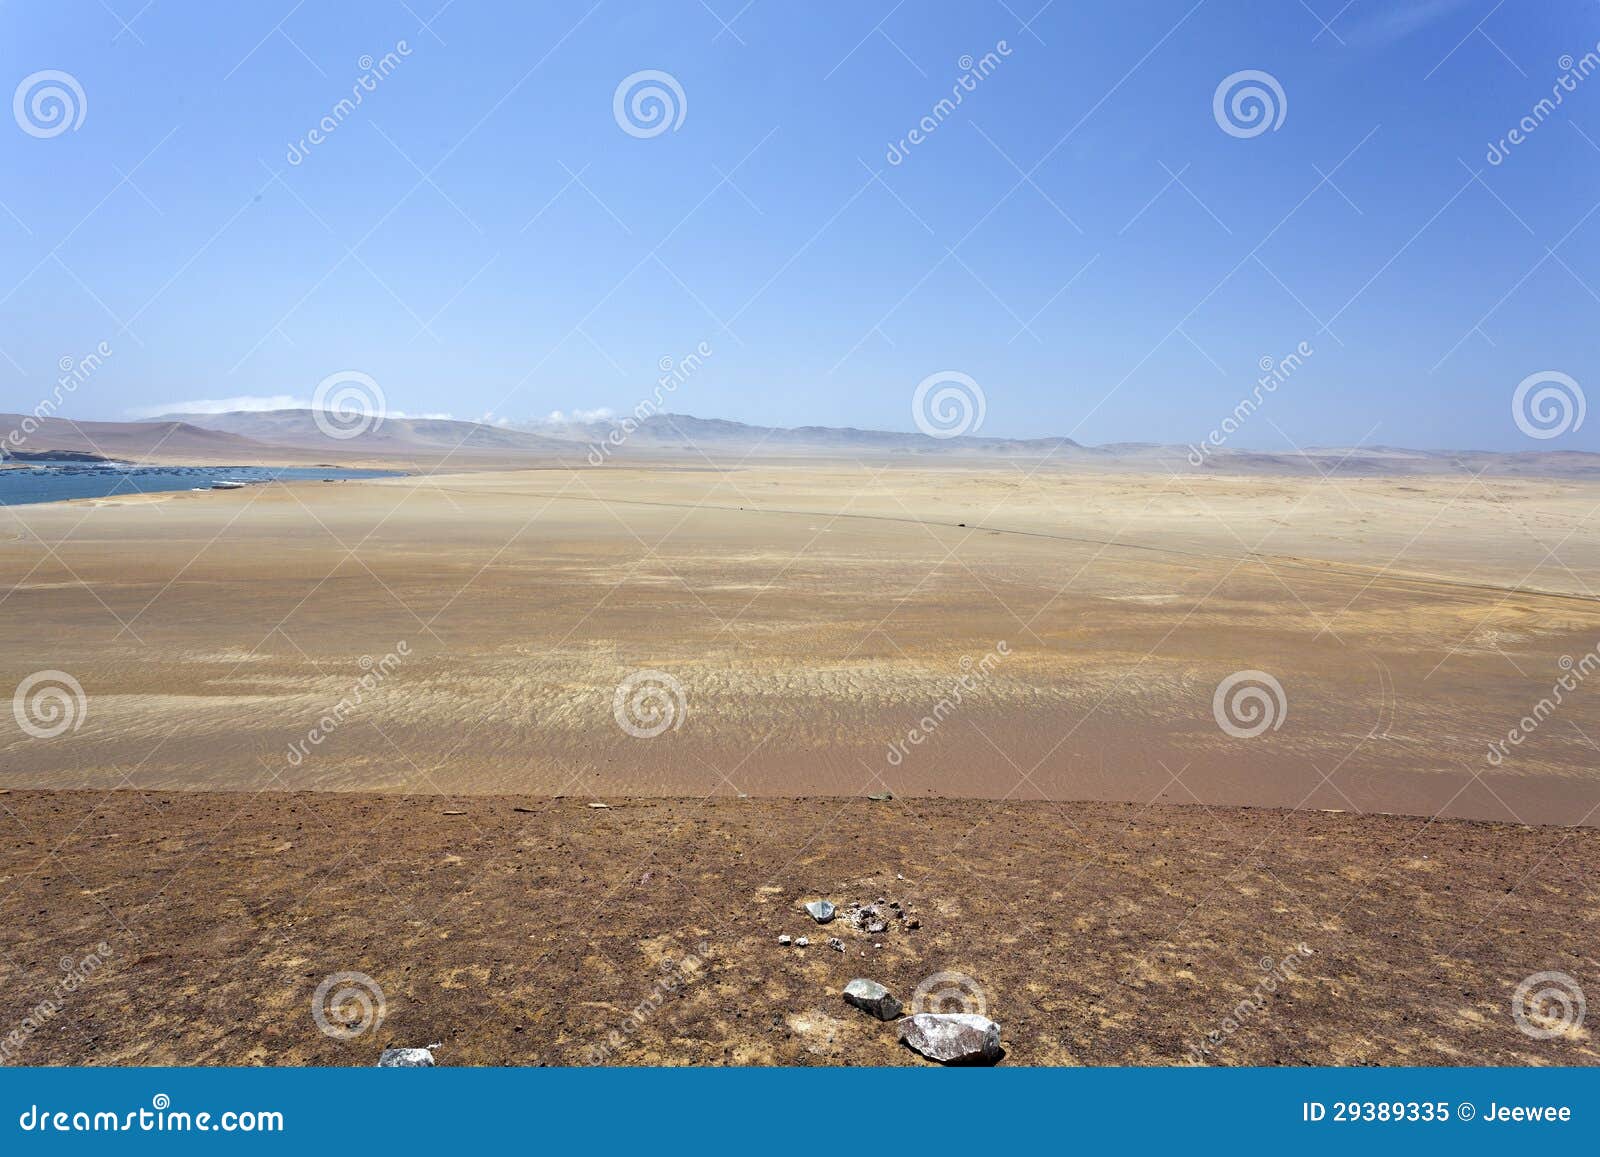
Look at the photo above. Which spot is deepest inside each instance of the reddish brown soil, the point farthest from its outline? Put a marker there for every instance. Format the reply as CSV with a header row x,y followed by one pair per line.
x,y
526,930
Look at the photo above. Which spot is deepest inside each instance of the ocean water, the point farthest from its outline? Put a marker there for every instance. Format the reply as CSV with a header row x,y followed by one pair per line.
x,y
54,482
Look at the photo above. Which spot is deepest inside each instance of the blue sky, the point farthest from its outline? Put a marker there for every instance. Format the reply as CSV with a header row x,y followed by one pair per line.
x,y
1080,235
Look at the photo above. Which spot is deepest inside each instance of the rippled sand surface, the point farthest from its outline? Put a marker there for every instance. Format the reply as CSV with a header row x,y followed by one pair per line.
x,y
806,618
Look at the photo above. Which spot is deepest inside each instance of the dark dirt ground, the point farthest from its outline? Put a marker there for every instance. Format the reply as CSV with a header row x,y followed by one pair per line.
x,y
525,931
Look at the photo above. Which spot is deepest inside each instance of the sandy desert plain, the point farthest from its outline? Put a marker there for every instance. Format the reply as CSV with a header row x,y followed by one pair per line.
x,y
1110,870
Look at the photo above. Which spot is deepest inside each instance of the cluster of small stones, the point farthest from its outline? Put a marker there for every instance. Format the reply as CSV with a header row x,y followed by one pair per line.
x,y
878,918
951,1038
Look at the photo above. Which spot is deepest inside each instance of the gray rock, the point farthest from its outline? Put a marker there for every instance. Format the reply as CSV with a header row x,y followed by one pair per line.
x,y
835,943
784,939
407,1058
953,1038
871,997
821,910
802,942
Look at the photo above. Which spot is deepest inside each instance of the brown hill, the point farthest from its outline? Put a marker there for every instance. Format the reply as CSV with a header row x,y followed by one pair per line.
x,y
133,441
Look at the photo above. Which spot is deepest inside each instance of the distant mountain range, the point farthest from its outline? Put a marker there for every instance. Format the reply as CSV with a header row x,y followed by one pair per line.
x,y
280,436
24,437
676,432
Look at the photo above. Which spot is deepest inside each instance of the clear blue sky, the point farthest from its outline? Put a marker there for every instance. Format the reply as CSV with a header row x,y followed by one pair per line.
x,y
439,241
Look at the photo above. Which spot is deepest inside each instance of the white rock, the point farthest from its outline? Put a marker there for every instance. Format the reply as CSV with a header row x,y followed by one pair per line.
x,y
953,1038
871,997
407,1058
821,910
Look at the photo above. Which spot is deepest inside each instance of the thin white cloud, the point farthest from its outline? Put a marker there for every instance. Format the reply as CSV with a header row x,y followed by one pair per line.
x,y
248,402
562,417
1394,24
258,403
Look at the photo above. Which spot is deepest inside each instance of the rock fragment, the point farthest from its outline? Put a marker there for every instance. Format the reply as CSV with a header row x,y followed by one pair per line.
x,y
821,910
953,1038
873,998
407,1058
